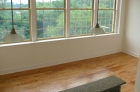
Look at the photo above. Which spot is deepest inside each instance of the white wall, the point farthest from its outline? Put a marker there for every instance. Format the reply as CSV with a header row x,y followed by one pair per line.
x,y
131,42
132,28
29,56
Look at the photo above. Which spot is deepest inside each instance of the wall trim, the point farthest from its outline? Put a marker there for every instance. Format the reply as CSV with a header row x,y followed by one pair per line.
x,y
131,53
41,65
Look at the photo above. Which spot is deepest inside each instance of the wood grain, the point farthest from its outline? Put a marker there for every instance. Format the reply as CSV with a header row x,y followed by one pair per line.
x,y
64,76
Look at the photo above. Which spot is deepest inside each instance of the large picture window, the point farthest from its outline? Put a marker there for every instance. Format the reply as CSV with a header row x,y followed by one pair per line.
x,y
48,19
21,18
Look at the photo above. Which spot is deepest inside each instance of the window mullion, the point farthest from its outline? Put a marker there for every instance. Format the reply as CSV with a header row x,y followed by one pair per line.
x,y
33,20
117,15
67,10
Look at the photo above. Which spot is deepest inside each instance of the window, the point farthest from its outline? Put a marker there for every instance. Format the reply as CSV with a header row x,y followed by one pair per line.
x,y
56,18
106,16
81,15
50,18
21,18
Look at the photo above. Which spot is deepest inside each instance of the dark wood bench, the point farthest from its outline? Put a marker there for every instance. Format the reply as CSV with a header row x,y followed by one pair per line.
x,y
109,84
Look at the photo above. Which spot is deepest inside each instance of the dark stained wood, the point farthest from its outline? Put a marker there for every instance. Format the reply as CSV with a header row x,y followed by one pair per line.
x,y
64,76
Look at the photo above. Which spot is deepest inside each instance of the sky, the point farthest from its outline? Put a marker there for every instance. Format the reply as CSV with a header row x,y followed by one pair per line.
x,y
26,1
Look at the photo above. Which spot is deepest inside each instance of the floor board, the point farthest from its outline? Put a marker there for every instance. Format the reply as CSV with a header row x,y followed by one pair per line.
x,y
64,76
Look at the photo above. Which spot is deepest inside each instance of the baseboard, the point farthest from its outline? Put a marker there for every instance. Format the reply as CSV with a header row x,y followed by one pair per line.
x,y
41,65
131,53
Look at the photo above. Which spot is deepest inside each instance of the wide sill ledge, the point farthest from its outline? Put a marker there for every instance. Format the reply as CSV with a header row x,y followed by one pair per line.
x,y
59,39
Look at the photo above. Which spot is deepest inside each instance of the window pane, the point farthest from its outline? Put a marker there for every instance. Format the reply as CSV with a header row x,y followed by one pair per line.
x,y
21,18
107,4
106,20
50,3
6,4
81,3
80,22
50,23
16,3
24,3
1,3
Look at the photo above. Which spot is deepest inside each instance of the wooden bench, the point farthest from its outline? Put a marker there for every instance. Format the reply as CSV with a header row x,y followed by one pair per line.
x,y
109,84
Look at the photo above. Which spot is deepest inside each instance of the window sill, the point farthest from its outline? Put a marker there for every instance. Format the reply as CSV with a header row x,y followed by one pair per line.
x,y
60,39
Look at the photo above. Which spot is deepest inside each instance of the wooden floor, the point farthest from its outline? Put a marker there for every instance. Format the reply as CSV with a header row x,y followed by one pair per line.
x,y
60,77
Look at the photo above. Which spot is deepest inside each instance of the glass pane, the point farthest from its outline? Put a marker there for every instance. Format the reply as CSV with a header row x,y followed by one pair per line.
x,y
6,4
81,3
16,3
108,4
2,32
25,14
57,4
50,23
1,3
53,32
21,23
50,3
106,20
39,3
40,33
40,14
7,15
24,3
80,22
26,34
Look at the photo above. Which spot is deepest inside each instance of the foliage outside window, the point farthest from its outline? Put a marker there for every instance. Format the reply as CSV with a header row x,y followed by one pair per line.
x,y
80,17
107,15
50,18
21,18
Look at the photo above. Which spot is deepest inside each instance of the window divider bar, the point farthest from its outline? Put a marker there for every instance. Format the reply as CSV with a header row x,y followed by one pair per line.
x,y
67,10
33,20
118,15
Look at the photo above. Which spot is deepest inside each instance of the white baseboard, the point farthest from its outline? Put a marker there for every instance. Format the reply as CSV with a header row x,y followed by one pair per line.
x,y
41,65
131,53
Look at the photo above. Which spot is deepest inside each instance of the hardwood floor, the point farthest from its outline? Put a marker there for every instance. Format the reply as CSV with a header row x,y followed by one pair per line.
x,y
60,77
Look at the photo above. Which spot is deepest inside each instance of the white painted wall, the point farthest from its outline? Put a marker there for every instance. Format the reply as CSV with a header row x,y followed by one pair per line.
x,y
131,42
29,56
132,28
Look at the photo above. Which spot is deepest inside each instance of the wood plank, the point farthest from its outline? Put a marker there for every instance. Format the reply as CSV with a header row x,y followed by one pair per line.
x,y
64,76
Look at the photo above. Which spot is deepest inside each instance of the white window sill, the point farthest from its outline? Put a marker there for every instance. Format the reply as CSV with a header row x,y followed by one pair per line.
x,y
59,39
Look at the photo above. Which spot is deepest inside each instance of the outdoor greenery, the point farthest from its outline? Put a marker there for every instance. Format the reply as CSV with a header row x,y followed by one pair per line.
x,y
50,23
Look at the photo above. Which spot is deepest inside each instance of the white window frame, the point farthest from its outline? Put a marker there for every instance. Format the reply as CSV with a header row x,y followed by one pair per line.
x,y
119,6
